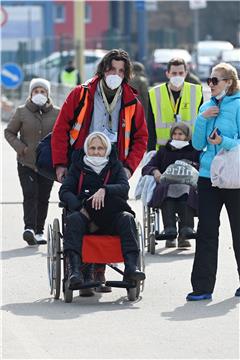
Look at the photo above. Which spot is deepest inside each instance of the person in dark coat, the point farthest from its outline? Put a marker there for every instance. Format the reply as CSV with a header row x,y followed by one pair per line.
x,y
101,203
174,198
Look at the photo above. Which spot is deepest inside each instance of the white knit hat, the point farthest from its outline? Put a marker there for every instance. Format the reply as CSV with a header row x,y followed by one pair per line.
x,y
39,82
103,137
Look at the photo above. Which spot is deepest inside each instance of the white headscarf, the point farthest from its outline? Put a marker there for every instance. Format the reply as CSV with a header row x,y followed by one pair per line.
x,y
97,163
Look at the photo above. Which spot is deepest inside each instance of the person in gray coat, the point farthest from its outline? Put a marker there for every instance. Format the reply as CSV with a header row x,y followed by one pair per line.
x,y
30,123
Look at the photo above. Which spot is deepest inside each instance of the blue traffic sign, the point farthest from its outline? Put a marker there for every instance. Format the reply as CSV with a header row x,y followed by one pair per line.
x,y
11,76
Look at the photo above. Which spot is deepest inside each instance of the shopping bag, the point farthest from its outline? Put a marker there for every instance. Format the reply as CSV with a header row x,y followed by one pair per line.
x,y
225,169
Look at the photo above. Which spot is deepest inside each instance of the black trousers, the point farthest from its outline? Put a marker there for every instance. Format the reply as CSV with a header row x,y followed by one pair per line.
x,y
123,225
211,201
171,206
36,192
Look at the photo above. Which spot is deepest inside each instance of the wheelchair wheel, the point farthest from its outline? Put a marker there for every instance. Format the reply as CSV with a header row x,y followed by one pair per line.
x,y
141,263
57,259
146,226
68,294
54,259
50,257
152,244
133,293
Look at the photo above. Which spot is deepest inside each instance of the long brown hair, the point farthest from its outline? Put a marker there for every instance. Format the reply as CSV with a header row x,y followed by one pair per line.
x,y
118,55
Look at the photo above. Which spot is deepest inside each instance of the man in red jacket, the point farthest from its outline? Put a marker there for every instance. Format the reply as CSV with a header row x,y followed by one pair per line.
x,y
105,103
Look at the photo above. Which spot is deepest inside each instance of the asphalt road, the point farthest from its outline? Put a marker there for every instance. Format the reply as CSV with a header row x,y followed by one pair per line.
x,y
160,325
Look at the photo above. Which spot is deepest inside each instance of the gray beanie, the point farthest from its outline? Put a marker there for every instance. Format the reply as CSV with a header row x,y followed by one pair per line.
x,y
185,129
39,82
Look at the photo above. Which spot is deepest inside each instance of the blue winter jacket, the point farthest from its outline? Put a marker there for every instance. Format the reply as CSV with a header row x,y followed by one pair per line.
x,y
227,121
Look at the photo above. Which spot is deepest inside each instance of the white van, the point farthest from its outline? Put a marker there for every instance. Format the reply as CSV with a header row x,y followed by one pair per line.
x,y
208,52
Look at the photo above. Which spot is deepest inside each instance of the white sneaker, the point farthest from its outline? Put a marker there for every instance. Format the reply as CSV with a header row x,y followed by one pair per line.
x,y
40,239
29,236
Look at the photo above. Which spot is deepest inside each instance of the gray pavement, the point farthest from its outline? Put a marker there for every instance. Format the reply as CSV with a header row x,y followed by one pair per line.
x,y
160,325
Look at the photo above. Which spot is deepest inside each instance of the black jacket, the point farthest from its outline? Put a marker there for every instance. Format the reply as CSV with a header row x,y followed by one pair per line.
x,y
167,155
117,185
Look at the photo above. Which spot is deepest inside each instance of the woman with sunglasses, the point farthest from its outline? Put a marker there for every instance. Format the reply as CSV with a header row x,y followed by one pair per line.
x,y
217,127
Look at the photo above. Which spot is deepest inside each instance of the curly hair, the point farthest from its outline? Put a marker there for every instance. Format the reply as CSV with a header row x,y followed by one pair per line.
x,y
118,55
229,72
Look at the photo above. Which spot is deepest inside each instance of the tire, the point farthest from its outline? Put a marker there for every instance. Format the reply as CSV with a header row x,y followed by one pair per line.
x,y
141,259
68,294
152,244
50,257
141,262
57,259
132,294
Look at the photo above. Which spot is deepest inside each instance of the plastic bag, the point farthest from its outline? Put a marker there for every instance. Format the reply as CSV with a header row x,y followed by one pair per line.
x,y
225,169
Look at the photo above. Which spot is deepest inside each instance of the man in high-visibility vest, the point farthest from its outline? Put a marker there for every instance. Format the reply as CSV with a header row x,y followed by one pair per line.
x,y
170,102
106,103
70,76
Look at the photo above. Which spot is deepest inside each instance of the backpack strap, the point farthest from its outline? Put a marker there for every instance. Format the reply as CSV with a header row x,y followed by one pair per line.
x,y
82,174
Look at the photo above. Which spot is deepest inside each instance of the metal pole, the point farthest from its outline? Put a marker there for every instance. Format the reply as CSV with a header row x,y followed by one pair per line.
x,y
196,32
79,35
141,31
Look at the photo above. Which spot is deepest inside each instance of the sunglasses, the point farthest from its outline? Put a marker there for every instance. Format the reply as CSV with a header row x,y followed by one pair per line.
x,y
214,80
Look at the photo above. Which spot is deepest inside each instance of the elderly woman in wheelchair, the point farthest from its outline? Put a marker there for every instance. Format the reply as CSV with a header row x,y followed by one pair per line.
x,y
95,192
174,169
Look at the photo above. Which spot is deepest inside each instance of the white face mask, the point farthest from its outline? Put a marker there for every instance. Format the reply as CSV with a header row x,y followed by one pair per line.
x,y
222,93
113,81
97,163
179,144
177,81
39,99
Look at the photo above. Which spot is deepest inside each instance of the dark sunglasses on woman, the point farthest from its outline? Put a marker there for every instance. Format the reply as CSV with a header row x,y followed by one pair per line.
x,y
214,80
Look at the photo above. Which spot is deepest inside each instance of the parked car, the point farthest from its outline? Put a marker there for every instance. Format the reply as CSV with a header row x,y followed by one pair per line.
x,y
50,67
232,57
157,65
208,51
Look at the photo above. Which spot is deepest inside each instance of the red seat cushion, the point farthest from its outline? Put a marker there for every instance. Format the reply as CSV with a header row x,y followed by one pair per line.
x,y
101,249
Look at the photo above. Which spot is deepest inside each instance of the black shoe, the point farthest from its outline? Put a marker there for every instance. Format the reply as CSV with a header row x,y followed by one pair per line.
x,y
169,233
187,233
136,275
86,292
76,278
100,277
171,243
29,236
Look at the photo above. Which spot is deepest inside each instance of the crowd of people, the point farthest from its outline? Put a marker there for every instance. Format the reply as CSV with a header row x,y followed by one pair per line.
x,y
102,131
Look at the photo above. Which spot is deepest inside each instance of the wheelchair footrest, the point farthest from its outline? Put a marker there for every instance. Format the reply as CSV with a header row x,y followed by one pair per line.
x,y
121,284
164,237
85,286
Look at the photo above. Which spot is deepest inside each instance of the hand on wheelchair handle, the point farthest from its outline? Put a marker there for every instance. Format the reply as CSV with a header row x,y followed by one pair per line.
x,y
157,175
98,199
61,173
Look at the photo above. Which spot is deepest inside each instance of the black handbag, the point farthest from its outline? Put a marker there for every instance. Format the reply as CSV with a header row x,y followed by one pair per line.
x,y
44,161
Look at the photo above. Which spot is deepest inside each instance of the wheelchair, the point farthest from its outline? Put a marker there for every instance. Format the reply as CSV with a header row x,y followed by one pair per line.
x,y
152,228
101,254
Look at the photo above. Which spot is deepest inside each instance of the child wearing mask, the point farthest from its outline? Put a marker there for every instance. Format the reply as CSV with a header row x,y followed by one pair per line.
x,y
176,198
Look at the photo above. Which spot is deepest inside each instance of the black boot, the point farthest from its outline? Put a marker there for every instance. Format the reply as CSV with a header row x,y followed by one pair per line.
x,y
131,270
75,275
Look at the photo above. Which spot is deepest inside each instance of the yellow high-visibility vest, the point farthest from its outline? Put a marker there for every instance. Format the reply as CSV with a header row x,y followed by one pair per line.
x,y
69,78
165,111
